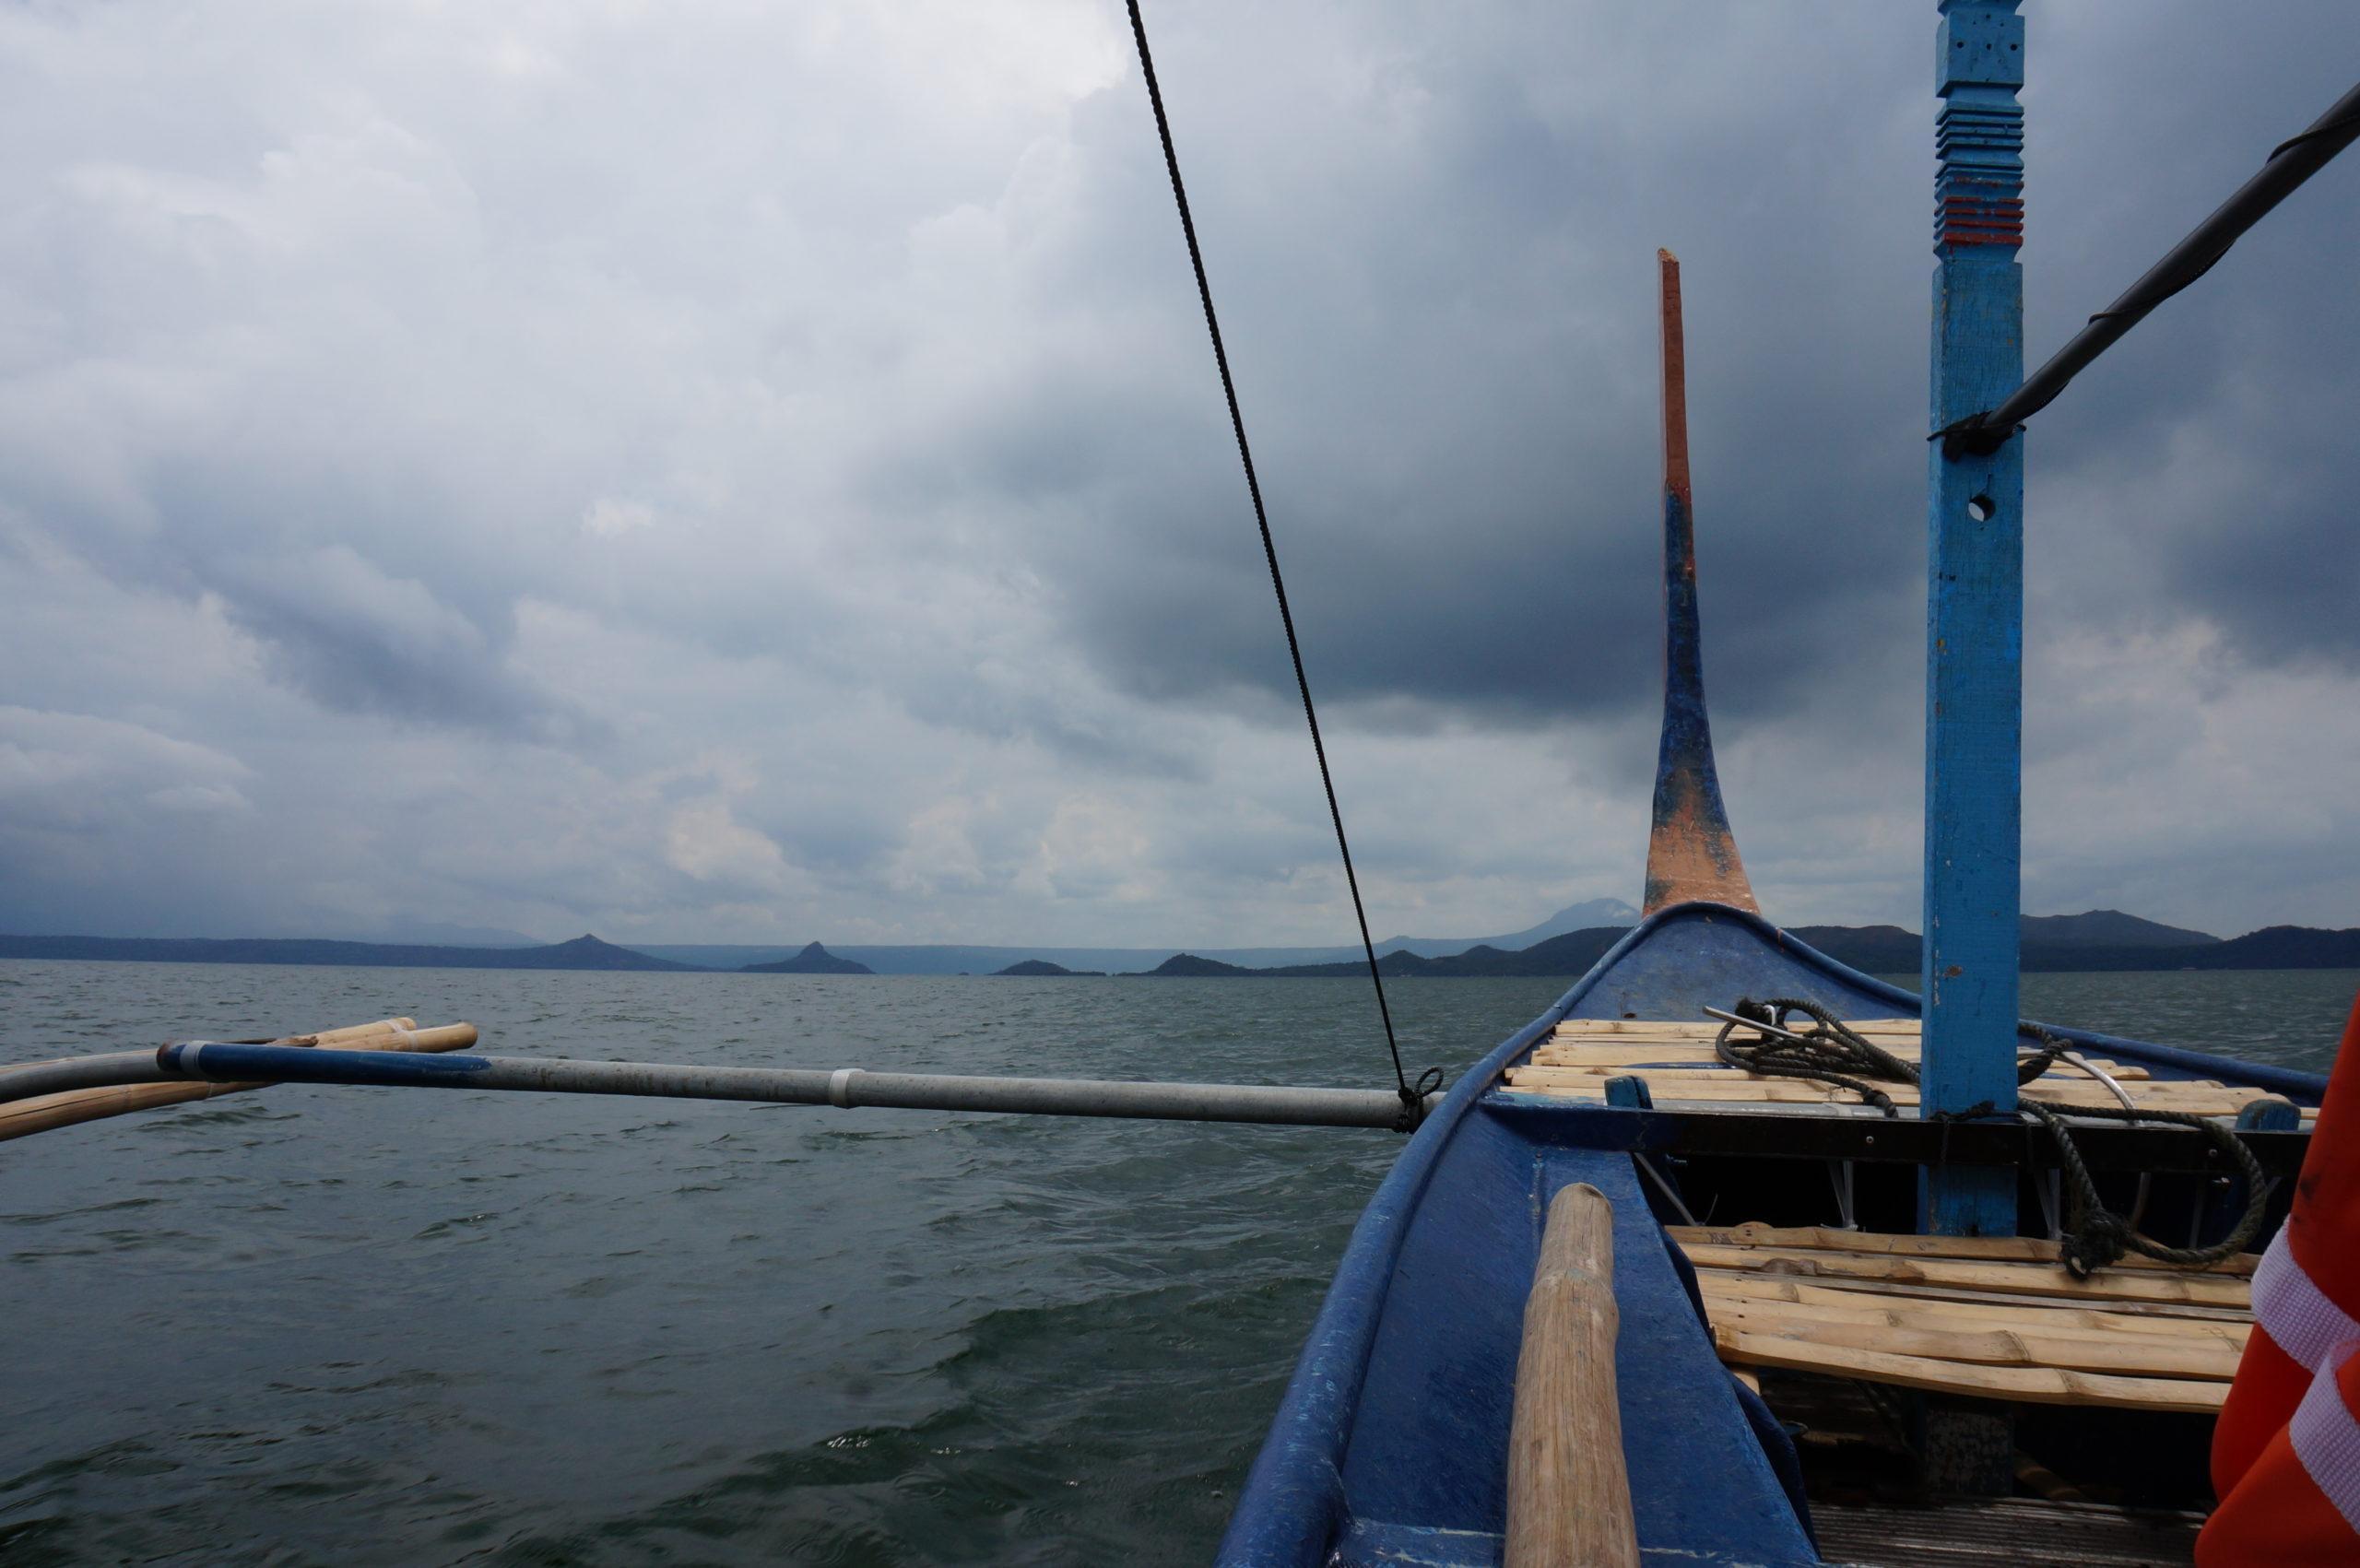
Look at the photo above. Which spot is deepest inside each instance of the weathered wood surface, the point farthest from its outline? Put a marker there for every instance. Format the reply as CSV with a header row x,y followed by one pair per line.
x,y
2005,1532
1683,1029
46,1112
1995,1317
2153,1355
2107,1285
1676,1061
2040,1385
1959,1294
2015,1249
1568,1494
1695,1086
1740,1296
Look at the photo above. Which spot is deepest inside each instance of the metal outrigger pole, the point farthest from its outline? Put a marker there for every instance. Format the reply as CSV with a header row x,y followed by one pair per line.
x,y
249,1066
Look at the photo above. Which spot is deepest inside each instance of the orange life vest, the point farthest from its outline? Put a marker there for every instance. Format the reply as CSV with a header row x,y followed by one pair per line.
x,y
2287,1453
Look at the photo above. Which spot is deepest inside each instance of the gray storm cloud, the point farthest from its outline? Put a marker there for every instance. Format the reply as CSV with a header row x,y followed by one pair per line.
x,y
708,475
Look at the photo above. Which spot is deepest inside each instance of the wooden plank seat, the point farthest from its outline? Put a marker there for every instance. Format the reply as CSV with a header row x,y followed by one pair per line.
x,y
1998,1319
1676,1062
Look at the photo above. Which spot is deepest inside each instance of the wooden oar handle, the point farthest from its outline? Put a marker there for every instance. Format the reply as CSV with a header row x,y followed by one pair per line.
x,y
339,1037
397,1034
1569,1496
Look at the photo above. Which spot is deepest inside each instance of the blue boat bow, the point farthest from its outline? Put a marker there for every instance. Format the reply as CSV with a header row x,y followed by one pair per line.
x,y
1390,1444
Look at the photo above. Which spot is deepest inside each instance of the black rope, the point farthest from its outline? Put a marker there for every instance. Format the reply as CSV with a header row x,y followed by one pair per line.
x,y
2095,1235
1830,1053
1413,1099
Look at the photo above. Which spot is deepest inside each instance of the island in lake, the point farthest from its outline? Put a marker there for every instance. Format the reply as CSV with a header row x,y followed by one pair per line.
x,y
813,959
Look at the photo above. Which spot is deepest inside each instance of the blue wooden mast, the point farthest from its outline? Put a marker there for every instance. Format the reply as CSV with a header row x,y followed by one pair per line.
x,y
1975,621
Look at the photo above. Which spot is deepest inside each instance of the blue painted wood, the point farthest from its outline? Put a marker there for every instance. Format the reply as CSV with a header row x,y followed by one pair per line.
x,y
2227,1204
1974,620
2269,1115
1630,1092
1390,1443
1431,1445
1293,1508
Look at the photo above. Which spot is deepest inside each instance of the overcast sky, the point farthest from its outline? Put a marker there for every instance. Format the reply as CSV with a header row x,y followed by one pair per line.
x,y
713,471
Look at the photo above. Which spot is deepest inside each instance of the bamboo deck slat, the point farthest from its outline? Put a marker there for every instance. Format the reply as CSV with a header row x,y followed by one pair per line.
x,y
2003,1249
1957,1296
2005,1278
1676,1061
2113,1317
2039,1385
2157,1355
1970,1317
1994,1317
1687,1054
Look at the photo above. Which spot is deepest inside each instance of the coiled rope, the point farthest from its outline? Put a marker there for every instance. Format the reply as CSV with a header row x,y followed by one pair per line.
x,y
2095,1237
1414,1099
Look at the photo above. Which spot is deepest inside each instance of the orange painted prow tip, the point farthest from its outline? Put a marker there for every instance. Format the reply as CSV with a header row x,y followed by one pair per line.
x,y
1687,869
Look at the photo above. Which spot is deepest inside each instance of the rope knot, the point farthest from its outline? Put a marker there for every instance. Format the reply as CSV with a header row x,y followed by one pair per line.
x,y
2100,1239
1414,1100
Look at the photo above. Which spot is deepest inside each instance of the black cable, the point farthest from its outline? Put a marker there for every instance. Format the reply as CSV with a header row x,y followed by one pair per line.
x,y
2290,163
1412,1100
1830,1053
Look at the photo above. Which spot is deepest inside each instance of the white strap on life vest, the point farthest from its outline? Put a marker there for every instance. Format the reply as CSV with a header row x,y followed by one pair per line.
x,y
2326,1439
2295,1312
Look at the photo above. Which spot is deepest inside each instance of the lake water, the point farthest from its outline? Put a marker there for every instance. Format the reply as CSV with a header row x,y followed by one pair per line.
x,y
349,1327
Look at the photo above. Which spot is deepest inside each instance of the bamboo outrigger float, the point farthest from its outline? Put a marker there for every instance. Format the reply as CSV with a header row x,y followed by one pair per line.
x,y
1540,1348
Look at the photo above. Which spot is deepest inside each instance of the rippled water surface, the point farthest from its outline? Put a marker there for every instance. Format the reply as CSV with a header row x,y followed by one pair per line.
x,y
359,1327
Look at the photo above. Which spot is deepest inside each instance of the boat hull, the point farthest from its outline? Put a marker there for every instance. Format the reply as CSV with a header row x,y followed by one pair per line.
x,y
1390,1445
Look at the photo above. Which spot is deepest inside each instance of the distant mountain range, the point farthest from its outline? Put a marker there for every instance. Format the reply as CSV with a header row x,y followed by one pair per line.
x,y
2118,943
2105,928
582,952
2102,940
1597,914
942,958
1569,954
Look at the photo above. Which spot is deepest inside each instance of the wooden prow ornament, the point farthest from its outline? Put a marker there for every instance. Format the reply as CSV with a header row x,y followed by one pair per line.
x,y
1690,853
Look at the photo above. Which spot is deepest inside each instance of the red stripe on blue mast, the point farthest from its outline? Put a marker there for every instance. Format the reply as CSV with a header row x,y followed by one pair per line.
x,y
1974,620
